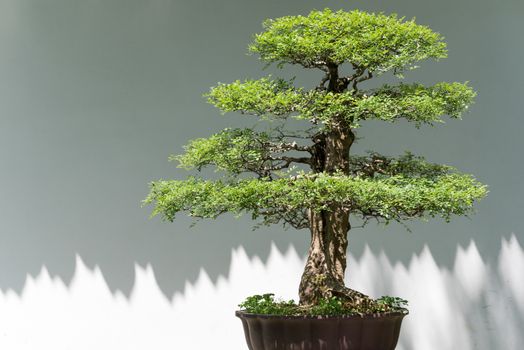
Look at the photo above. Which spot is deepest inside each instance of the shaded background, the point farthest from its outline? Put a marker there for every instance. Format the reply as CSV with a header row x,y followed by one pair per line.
x,y
95,95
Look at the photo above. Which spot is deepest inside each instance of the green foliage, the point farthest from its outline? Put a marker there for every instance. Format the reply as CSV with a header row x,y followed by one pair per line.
x,y
332,307
232,150
413,102
266,304
418,190
263,97
387,302
376,42
236,151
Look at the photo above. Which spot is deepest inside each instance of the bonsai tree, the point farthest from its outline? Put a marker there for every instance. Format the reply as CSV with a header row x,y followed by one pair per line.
x,y
307,178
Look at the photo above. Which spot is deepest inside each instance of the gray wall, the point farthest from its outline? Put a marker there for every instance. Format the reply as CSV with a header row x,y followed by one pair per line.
x,y
94,96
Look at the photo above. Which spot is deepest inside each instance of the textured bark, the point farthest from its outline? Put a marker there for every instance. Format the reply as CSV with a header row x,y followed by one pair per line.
x,y
326,264
323,275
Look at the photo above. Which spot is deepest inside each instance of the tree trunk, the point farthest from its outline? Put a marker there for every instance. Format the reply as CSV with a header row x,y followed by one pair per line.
x,y
326,264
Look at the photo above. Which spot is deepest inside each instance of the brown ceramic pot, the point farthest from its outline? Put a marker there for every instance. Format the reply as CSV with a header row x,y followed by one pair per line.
x,y
369,332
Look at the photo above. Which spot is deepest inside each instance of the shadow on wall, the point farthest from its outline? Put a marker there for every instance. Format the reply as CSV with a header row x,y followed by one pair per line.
x,y
473,305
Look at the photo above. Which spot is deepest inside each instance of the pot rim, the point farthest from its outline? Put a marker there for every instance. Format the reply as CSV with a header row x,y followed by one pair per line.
x,y
395,314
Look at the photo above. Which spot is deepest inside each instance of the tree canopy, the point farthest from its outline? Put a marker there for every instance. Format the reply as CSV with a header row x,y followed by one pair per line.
x,y
371,186
375,42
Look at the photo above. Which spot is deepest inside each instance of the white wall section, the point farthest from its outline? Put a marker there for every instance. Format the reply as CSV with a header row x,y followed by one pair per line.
x,y
472,306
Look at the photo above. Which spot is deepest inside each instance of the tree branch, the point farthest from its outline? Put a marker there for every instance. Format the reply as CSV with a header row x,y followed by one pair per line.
x,y
333,77
288,146
361,79
321,87
369,166
289,160
304,134
355,78
297,219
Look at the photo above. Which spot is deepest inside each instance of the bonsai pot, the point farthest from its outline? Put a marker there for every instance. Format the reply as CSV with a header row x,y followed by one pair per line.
x,y
368,332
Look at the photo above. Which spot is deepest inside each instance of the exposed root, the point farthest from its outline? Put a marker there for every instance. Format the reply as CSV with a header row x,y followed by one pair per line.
x,y
351,297
325,287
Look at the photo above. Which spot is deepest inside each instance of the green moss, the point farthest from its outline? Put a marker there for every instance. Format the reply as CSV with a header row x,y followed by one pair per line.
x,y
266,304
